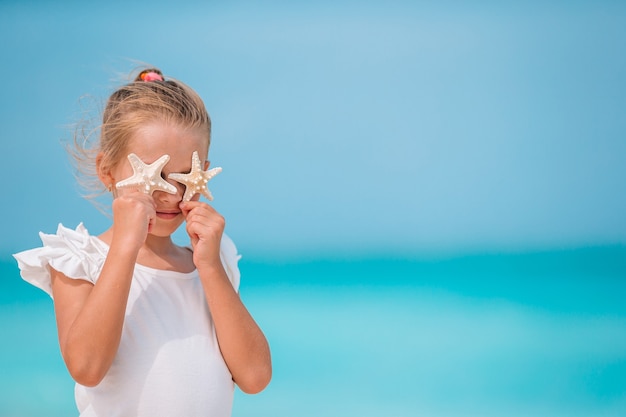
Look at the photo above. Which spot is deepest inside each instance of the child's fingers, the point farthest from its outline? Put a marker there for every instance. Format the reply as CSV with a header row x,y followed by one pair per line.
x,y
187,206
198,211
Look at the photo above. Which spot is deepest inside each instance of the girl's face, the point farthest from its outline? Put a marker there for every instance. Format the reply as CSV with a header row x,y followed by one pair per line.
x,y
149,143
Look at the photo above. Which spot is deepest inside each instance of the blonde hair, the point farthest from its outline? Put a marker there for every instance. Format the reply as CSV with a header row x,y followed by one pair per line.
x,y
128,109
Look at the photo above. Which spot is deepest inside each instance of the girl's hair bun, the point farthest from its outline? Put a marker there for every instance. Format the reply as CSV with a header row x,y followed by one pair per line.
x,y
150,74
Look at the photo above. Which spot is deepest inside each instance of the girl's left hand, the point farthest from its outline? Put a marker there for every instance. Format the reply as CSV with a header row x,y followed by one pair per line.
x,y
205,227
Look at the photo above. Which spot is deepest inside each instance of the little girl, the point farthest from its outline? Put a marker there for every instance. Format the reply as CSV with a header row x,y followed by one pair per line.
x,y
146,327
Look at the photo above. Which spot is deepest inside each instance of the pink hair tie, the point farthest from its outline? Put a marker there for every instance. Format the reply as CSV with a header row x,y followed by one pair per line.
x,y
150,76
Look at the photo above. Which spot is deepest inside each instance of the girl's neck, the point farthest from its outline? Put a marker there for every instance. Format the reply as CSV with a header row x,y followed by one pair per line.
x,y
160,252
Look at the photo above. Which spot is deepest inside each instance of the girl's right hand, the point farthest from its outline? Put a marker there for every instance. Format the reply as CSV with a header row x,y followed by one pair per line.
x,y
134,214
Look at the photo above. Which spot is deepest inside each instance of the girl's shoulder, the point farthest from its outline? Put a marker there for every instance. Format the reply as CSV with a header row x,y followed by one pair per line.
x,y
79,255
74,252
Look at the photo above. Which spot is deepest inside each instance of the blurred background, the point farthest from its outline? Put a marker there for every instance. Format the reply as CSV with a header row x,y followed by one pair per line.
x,y
429,197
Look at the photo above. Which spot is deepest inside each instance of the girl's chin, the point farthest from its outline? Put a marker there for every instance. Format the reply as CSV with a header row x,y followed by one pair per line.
x,y
164,227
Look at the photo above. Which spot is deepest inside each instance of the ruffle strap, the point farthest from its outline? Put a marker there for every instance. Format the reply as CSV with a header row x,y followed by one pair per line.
x,y
73,252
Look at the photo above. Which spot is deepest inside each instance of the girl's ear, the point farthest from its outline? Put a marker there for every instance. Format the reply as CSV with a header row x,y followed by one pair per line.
x,y
104,172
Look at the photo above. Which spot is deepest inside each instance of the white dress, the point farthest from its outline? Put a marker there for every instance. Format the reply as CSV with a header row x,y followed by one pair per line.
x,y
168,362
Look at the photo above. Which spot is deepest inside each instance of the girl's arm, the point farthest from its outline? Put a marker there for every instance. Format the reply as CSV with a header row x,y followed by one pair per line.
x,y
90,317
242,343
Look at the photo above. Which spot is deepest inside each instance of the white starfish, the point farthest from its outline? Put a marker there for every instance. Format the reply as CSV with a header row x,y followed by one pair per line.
x,y
147,178
196,180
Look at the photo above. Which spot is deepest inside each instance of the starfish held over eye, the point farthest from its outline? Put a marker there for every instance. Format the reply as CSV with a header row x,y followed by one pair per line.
x,y
147,177
196,180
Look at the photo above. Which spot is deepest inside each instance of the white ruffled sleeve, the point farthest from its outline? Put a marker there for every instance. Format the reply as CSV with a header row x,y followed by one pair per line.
x,y
230,258
73,252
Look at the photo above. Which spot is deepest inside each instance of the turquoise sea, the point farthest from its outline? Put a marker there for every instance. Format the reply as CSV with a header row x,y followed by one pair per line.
x,y
515,334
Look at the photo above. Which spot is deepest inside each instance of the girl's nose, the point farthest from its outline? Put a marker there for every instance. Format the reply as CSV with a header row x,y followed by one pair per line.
x,y
167,197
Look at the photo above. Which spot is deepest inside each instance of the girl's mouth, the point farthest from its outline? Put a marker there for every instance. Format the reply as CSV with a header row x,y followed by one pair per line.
x,y
167,215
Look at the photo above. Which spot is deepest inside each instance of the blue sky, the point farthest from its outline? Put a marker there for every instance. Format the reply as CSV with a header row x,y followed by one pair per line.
x,y
344,127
